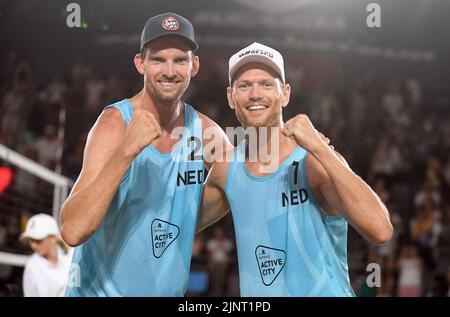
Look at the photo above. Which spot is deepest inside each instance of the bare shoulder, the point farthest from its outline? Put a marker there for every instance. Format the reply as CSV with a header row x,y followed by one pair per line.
x,y
103,139
208,123
108,128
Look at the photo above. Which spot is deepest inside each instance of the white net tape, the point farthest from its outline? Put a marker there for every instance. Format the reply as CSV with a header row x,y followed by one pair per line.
x,y
13,259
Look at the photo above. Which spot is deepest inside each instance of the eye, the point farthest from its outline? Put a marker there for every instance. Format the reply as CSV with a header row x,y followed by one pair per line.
x,y
181,60
242,86
268,84
155,59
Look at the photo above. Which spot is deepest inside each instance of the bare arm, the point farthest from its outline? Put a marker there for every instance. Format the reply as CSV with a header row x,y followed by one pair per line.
x,y
347,193
110,149
340,187
214,204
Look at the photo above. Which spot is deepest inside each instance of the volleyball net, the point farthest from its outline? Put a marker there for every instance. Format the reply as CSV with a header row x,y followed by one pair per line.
x,y
26,188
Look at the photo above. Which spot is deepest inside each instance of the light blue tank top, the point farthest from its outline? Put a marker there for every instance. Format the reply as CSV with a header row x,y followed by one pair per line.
x,y
144,245
286,244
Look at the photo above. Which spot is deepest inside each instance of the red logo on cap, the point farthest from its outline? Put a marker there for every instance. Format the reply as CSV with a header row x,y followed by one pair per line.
x,y
170,24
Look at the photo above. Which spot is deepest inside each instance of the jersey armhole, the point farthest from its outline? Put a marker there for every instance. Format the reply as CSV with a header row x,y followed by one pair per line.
x,y
229,174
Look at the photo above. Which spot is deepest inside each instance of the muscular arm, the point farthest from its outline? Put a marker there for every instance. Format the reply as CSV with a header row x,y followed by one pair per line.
x,y
105,162
217,148
111,148
214,204
343,191
338,186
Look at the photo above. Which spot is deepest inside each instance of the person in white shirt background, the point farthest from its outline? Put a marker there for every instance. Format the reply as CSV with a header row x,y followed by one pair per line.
x,y
46,273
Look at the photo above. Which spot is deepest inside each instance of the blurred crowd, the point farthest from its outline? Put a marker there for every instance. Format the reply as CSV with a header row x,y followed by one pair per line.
x,y
394,133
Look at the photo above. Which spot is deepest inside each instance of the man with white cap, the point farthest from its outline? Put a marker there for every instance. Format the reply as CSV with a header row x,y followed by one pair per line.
x,y
290,222
47,271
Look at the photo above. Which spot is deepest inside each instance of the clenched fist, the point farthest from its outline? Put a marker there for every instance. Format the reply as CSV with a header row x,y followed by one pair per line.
x,y
142,130
301,129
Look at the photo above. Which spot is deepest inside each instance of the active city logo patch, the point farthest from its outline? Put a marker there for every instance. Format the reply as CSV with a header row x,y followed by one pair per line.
x,y
271,262
163,235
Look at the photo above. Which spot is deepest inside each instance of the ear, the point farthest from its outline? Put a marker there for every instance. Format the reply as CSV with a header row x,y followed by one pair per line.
x,y
139,63
286,95
230,98
195,66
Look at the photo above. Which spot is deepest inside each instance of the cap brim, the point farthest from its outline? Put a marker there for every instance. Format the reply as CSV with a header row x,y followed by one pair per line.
x,y
190,42
34,236
254,59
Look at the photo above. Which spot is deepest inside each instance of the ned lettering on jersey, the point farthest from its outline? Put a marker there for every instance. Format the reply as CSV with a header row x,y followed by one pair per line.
x,y
290,223
190,177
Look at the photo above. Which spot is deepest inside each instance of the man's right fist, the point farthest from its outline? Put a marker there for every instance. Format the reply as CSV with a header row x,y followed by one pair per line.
x,y
142,130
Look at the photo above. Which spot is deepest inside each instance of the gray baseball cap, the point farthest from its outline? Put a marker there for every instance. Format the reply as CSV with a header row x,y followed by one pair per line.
x,y
168,24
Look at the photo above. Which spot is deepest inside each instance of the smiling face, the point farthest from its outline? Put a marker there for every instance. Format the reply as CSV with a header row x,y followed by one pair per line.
x,y
257,95
167,64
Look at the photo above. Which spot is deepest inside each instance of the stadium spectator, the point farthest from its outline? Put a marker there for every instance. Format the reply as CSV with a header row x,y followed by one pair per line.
x,y
410,273
219,248
46,147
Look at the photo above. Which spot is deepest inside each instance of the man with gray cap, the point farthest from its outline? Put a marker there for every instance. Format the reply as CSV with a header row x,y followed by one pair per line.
x,y
290,208
133,210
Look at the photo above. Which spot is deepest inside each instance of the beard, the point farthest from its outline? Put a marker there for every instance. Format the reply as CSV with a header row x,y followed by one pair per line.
x,y
167,97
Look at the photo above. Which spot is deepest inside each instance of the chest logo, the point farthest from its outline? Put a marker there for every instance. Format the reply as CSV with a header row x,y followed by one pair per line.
x,y
163,235
270,263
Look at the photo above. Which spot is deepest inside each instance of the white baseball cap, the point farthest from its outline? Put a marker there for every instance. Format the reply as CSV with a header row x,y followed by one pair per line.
x,y
256,53
39,227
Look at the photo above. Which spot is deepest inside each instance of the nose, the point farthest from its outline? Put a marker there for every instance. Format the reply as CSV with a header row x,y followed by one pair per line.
x,y
169,70
255,92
